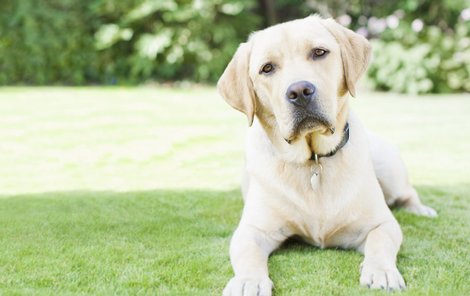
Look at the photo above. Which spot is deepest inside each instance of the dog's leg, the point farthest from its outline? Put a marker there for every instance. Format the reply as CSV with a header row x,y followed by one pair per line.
x,y
410,202
249,251
378,270
392,175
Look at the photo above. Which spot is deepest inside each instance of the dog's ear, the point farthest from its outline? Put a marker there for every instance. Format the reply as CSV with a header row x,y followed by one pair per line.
x,y
235,86
355,52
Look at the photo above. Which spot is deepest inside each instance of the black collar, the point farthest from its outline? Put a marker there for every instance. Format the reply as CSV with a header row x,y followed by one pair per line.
x,y
341,144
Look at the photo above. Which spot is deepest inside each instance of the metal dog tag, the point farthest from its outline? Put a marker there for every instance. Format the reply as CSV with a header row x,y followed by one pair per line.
x,y
316,170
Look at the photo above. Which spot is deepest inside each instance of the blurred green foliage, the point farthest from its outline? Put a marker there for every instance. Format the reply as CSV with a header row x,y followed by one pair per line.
x,y
173,39
427,62
420,46
43,42
424,48
113,41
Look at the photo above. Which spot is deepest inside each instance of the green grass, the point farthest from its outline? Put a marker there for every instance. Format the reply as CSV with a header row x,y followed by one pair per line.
x,y
135,191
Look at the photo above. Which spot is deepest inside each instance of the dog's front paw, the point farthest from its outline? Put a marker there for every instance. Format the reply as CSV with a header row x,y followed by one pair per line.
x,y
378,278
247,286
421,210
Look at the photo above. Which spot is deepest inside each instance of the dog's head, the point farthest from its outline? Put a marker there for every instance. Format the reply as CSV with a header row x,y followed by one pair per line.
x,y
292,74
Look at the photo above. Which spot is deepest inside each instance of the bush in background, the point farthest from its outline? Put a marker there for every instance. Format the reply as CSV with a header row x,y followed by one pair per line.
x,y
426,62
112,41
420,46
176,39
46,42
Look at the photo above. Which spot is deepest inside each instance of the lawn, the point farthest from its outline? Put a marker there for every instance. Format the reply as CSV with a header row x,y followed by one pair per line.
x,y
134,191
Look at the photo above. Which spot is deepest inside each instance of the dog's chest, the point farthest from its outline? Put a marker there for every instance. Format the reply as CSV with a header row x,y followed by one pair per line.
x,y
336,228
326,215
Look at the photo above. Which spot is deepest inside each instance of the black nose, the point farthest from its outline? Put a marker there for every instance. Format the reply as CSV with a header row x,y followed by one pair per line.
x,y
300,93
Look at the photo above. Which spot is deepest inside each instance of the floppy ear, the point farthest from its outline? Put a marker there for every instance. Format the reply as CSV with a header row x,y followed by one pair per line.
x,y
355,52
235,85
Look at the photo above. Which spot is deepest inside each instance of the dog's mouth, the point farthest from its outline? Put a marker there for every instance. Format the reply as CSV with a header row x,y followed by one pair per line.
x,y
310,123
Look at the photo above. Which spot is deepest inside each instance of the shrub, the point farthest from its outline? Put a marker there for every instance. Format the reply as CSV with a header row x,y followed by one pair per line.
x,y
113,41
428,62
44,42
178,39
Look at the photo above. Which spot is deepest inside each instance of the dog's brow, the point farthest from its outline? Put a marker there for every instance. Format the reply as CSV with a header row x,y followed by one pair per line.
x,y
269,58
320,43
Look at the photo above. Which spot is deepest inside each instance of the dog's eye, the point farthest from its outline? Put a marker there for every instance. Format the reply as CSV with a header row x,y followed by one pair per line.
x,y
267,68
318,53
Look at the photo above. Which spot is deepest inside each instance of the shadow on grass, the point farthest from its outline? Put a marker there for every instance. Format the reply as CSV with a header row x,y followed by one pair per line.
x,y
153,242
176,242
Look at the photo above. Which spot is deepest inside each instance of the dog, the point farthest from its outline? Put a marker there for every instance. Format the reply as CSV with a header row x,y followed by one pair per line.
x,y
312,170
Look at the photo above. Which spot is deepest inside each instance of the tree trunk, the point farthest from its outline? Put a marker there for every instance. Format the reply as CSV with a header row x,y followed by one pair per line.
x,y
269,10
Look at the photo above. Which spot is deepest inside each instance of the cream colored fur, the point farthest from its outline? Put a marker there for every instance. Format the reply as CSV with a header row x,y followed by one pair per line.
x,y
347,207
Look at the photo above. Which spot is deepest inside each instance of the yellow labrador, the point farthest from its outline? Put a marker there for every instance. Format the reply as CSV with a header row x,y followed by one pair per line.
x,y
312,170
